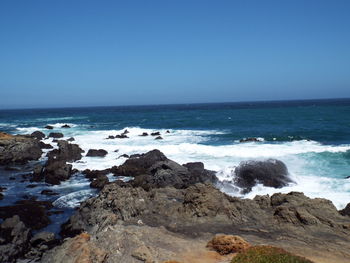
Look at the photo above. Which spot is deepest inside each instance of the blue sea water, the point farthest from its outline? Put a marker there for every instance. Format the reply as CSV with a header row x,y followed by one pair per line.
x,y
311,137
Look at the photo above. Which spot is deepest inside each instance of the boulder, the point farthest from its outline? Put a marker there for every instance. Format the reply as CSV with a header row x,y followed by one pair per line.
x,y
96,153
93,174
71,139
45,145
49,127
110,137
155,134
121,136
99,182
65,126
32,213
66,151
57,171
144,134
227,244
56,135
18,149
199,174
159,138
38,135
272,173
14,239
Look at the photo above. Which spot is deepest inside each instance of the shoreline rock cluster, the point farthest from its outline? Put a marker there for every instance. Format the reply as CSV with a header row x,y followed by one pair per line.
x,y
167,208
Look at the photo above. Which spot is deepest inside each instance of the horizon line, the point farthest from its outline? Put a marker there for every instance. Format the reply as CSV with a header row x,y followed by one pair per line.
x,y
175,104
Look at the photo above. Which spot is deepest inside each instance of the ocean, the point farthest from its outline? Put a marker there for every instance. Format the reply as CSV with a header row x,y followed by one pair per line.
x,y
311,137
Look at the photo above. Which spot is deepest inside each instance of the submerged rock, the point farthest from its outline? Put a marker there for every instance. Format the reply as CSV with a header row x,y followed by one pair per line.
x,y
97,153
272,173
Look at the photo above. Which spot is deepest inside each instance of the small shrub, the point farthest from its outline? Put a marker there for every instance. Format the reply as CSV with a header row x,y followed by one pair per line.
x,y
267,254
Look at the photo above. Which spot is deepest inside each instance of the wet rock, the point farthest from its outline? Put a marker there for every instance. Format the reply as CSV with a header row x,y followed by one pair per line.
x,y
57,171
159,138
123,156
18,149
167,131
65,126
110,137
144,134
56,135
92,174
121,136
49,127
38,135
67,152
227,244
99,182
96,153
45,145
272,173
37,173
71,139
14,239
155,134
125,132
153,169
32,213
250,139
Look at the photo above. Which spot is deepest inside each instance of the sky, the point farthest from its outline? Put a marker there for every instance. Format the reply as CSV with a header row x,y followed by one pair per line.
x,y
62,53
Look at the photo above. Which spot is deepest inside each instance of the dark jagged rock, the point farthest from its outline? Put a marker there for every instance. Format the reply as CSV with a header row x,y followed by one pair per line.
x,y
100,181
121,136
49,127
40,243
66,152
18,149
96,153
123,156
57,171
272,173
56,135
45,145
167,131
125,132
250,139
92,174
32,213
199,174
346,210
14,239
159,138
110,137
65,126
155,133
71,139
153,169
144,134
38,135
38,173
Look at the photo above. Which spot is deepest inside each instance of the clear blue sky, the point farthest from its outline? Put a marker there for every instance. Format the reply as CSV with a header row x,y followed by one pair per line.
x,y
82,53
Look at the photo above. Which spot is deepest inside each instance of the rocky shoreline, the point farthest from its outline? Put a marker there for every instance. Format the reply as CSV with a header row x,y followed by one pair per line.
x,y
167,212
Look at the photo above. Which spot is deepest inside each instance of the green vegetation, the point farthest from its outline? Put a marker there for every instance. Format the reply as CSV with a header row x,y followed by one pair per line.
x,y
267,254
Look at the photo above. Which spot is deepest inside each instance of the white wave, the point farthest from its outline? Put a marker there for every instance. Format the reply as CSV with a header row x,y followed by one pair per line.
x,y
74,199
185,146
61,118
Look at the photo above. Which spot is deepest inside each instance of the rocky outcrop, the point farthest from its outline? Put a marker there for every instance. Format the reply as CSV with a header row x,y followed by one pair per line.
x,y
96,153
272,173
77,249
57,171
153,170
346,210
18,149
65,126
32,213
49,127
66,152
14,239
